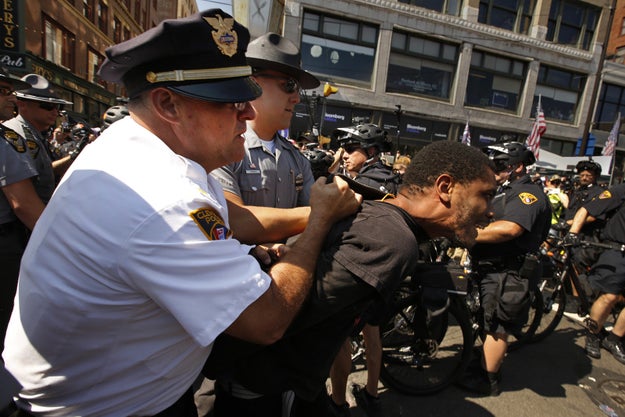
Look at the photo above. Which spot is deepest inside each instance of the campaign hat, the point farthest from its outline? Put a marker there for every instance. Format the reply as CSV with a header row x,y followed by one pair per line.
x,y
16,83
201,56
39,89
275,52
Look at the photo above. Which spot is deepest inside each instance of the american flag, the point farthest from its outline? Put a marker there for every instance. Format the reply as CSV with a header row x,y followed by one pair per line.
x,y
538,129
610,143
466,135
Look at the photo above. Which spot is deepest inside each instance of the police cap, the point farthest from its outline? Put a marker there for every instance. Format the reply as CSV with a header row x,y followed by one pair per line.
x,y
39,89
16,83
201,56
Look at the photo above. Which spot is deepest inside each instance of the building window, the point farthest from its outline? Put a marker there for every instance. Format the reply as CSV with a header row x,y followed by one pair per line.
x,y
572,23
421,66
59,44
87,9
623,27
514,15
126,33
103,16
560,91
94,60
339,49
443,6
495,81
611,102
117,30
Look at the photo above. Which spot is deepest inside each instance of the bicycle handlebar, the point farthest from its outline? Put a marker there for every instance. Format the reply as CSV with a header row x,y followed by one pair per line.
x,y
615,246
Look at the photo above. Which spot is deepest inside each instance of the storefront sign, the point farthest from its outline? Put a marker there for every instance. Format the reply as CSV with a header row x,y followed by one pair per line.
x,y
9,33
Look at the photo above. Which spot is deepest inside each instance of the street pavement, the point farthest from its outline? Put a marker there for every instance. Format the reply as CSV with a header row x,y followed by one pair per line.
x,y
552,378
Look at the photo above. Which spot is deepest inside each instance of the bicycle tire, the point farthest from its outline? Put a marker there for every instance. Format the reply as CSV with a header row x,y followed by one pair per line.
x,y
410,368
554,303
526,334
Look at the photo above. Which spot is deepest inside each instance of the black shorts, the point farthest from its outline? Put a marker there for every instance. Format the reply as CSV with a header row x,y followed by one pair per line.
x,y
608,274
504,311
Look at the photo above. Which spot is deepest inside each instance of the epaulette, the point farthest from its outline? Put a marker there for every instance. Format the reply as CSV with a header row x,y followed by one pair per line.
x,y
13,139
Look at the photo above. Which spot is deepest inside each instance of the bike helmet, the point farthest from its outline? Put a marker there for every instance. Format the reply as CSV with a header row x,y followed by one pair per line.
x,y
588,165
365,135
114,114
509,153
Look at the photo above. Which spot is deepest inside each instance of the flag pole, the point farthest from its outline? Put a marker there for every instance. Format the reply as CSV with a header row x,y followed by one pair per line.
x,y
613,156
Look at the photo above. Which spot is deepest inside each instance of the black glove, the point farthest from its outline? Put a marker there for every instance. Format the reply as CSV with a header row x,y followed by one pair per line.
x,y
560,226
571,239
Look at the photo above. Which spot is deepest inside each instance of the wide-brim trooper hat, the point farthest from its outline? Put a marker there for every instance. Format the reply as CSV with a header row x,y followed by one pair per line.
x,y
201,56
39,90
272,51
16,83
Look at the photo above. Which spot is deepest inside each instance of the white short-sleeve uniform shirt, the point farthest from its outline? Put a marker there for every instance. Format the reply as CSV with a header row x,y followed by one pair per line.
x,y
128,278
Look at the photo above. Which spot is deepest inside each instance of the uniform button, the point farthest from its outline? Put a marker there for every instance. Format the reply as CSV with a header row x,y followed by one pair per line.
x,y
254,188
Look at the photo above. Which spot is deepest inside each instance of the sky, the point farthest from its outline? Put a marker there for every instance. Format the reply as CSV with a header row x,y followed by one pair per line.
x,y
225,5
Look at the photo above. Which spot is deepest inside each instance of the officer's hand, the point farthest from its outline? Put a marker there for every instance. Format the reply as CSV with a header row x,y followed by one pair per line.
x,y
333,201
571,239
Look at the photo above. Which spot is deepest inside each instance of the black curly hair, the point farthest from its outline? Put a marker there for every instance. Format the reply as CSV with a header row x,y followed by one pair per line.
x,y
464,163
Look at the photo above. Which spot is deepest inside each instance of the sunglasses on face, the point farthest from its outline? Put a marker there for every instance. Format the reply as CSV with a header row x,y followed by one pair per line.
x,y
289,85
351,148
50,106
6,91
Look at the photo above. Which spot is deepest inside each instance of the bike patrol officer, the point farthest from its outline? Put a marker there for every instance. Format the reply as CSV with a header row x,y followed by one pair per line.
x,y
274,173
362,146
20,206
505,258
608,273
588,172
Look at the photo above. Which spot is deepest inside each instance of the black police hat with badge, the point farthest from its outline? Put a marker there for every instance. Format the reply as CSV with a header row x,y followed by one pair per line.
x,y
275,52
39,89
201,56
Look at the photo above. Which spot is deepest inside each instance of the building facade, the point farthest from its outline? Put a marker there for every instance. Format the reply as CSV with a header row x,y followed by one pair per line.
x,y
64,41
423,68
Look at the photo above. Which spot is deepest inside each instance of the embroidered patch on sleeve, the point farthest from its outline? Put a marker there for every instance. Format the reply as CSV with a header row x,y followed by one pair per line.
x,y
213,226
604,195
528,198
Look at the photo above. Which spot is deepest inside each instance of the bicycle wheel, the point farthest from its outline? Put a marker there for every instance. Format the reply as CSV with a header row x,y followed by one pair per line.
x,y
554,302
414,363
526,334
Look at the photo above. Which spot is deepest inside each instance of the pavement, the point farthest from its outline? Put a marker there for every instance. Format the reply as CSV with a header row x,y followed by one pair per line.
x,y
552,378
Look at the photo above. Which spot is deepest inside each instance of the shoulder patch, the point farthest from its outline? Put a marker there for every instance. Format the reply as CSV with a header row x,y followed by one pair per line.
x,y
211,224
15,140
605,194
528,198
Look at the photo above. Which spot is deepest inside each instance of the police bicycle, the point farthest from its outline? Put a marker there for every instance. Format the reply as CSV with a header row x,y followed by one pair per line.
x,y
553,287
431,328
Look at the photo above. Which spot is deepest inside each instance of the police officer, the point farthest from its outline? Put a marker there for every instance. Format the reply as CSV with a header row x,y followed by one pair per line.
x,y
504,257
20,206
38,108
608,274
588,172
362,146
273,173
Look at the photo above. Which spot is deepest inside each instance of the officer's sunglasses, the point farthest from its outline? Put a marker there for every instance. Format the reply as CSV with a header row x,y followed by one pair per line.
x,y
50,106
351,148
289,85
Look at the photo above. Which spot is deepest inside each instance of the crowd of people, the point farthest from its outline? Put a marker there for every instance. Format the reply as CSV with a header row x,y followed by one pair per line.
x,y
190,274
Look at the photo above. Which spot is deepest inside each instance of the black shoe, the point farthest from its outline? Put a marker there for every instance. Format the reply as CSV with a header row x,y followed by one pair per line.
x,y
367,402
336,410
479,383
593,345
616,348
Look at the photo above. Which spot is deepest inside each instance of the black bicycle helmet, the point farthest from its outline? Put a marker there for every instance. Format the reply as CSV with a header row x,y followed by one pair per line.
x,y
320,161
114,114
365,135
509,153
588,165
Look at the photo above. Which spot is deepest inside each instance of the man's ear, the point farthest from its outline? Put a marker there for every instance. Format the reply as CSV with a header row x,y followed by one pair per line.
x,y
165,103
444,185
